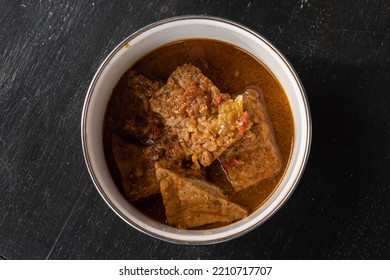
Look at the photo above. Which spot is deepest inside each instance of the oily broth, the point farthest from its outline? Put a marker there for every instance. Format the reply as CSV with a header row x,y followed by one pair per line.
x,y
231,70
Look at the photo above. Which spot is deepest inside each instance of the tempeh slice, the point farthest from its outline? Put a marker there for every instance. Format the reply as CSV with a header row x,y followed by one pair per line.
x,y
256,156
206,121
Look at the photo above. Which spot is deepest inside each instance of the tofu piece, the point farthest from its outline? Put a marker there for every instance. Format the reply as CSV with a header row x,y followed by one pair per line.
x,y
137,172
192,202
136,91
205,120
256,156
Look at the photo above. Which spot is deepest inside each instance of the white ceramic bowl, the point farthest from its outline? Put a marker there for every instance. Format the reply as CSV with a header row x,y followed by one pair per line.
x,y
144,41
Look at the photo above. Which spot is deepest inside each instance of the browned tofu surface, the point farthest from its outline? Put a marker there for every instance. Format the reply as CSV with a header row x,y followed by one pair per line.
x,y
256,156
132,112
192,202
137,171
205,120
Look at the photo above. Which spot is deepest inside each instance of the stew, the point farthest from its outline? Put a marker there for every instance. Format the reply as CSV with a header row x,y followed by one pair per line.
x,y
197,134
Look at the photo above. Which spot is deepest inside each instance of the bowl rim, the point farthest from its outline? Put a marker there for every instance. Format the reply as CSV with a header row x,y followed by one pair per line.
x,y
91,90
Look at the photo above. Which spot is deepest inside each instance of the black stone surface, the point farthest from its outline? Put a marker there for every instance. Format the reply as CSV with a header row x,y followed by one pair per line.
x,y
49,52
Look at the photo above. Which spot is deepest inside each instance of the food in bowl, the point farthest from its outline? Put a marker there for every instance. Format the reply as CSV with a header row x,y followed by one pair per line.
x,y
197,134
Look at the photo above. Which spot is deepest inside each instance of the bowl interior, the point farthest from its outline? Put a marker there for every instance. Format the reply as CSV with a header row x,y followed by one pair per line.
x,y
150,38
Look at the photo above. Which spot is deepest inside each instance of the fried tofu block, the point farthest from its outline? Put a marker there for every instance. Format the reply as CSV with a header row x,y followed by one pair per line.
x,y
192,202
256,156
206,121
137,172
135,91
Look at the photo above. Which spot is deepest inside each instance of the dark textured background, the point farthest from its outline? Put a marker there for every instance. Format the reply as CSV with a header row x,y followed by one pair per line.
x,y
49,52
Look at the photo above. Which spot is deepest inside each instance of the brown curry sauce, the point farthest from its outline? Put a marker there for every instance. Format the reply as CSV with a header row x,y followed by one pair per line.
x,y
231,70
